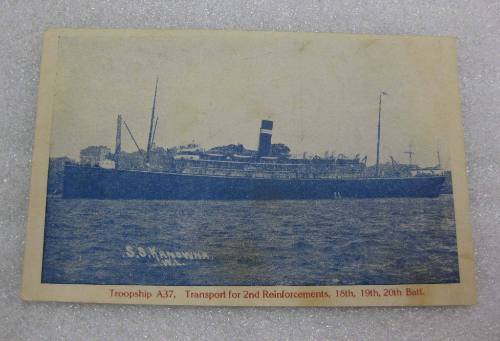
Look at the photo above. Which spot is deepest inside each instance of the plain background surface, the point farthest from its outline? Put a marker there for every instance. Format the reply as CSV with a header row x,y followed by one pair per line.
x,y
476,24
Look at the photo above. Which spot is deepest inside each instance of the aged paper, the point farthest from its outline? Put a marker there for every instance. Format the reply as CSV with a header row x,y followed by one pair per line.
x,y
250,169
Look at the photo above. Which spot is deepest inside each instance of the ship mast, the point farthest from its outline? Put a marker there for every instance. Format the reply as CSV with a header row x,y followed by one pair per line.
x,y
118,144
378,132
438,158
151,125
410,153
154,134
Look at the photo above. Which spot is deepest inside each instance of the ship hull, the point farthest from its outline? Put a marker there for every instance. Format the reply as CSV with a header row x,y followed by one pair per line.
x,y
100,183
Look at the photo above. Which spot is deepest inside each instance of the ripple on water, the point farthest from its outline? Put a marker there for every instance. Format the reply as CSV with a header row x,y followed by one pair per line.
x,y
324,242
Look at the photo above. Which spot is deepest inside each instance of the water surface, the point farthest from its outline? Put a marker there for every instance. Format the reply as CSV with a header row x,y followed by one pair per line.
x,y
284,242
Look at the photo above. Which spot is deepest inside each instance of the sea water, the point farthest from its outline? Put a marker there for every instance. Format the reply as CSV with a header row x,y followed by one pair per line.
x,y
283,242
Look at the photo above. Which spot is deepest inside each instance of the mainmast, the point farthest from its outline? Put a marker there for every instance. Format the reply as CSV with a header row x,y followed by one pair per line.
x,y
378,131
410,153
151,125
438,158
118,144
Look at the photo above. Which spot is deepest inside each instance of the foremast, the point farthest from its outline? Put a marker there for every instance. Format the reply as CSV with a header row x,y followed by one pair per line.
x,y
152,126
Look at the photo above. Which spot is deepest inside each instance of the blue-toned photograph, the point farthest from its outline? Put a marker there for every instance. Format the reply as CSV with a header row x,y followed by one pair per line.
x,y
206,160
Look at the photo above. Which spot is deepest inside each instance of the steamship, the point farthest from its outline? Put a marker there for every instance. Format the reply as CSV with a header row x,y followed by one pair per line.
x,y
233,173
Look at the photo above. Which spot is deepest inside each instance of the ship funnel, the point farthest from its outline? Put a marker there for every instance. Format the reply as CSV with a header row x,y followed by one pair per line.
x,y
266,131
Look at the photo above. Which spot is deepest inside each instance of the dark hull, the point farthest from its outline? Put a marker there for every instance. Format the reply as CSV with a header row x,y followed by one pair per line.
x,y
99,183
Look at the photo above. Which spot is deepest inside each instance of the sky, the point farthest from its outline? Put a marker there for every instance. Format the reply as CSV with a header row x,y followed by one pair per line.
x,y
321,90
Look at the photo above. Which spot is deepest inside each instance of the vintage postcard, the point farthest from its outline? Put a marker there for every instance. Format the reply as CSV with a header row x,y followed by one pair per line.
x,y
249,169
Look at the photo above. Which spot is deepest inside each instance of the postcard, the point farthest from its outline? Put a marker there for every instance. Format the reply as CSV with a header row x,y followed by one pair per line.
x,y
197,167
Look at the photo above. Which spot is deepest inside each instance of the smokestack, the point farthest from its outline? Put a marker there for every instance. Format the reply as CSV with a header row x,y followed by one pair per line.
x,y
118,144
266,131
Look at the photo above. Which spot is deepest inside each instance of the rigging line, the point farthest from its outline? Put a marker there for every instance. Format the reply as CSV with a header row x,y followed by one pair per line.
x,y
133,139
